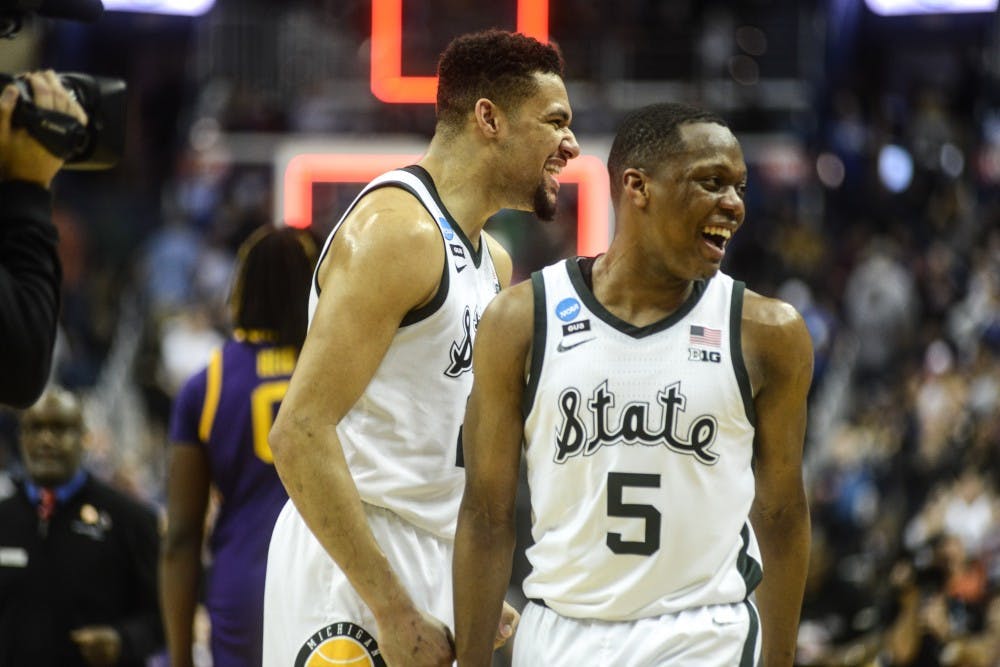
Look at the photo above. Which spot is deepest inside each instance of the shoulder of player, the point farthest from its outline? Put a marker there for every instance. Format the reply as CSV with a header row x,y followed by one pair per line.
x,y
388,231
511,313
388,217
763,311
775,337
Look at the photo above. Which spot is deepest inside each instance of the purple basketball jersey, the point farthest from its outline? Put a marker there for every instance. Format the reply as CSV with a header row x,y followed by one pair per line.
x,y
228,409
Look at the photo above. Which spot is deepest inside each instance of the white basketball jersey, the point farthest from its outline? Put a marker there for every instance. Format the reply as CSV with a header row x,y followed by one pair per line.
x,y
401,438
639,443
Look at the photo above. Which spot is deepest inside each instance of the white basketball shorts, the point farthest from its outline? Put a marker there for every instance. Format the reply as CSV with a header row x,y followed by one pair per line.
x,y
312,615
716,636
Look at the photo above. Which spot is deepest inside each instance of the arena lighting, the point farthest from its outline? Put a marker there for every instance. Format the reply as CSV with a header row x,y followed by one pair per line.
x,y
175,7
895,168
387,80
904,7
303,170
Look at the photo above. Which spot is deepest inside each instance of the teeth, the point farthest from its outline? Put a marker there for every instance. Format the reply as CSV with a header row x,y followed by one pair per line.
x,y
553,169
724,232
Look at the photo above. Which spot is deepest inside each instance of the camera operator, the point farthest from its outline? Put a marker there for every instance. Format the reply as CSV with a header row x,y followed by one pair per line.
x,y
30,272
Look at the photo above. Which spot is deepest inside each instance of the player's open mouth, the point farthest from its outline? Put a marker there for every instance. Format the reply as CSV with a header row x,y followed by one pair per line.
x,y
717,236
552,170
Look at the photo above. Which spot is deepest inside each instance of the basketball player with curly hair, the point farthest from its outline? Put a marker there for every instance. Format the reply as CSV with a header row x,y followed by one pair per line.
x,y
366,440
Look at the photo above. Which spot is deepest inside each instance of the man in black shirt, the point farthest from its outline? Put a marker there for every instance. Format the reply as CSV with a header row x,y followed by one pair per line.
x,y
77,558
30,273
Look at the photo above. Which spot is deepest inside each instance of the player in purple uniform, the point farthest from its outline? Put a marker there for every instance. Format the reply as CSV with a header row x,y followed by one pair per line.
x,y
219,428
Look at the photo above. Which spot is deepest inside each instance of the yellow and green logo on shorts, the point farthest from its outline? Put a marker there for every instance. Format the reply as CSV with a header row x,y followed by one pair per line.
x,y
341,644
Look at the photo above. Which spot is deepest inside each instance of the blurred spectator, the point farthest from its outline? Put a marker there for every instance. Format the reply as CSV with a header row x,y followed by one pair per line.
x,y
920,626
980,649
81,319
881,308
969,512
930,129
186,341
938,407
168,267
976,317
77,558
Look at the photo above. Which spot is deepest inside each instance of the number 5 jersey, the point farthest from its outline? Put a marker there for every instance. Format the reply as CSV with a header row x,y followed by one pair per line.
x,y
639,443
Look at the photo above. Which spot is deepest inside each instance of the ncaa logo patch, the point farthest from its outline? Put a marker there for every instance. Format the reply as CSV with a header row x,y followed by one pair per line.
x,y
446,229
567,309
345,644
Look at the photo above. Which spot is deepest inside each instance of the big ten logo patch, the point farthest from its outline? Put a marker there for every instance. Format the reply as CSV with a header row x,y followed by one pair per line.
x,y
712,356
344,644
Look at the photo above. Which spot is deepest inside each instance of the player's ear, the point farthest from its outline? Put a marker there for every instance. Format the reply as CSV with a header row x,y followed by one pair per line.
x,y
635,186
487,117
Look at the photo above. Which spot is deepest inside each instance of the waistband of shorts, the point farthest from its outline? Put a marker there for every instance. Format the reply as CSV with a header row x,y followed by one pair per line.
x,y
541,603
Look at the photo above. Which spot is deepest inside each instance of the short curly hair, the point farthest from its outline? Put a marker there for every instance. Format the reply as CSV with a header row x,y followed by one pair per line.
x,y
649,135
494,64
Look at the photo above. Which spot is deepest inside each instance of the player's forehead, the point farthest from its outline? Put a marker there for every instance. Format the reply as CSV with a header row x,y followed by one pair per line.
x,y
708,145
549,98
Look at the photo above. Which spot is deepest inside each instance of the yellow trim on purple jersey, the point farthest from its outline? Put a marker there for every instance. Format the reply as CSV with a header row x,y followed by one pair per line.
x,y
213,389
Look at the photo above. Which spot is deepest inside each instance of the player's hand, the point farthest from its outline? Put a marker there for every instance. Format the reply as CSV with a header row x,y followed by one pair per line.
x,y
21,157
509,618
415,639
100,645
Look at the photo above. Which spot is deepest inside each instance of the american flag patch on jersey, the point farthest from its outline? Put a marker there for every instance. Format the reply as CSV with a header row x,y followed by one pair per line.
x,y
706,336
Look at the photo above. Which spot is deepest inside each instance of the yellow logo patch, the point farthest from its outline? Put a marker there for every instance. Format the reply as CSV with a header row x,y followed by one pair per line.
x,y
341,644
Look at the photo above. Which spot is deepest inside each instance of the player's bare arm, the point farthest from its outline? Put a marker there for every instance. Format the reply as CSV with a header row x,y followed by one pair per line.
x,y
188,481
779,357
385,261
504,267
493,431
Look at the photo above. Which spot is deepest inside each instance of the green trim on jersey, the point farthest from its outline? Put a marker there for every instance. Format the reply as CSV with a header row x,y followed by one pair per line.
x,y
736,351
587,296
750,645
475,253
537,343
749,568
431,307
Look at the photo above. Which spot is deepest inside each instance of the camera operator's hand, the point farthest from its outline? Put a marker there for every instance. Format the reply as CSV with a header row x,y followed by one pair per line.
x,y
21,157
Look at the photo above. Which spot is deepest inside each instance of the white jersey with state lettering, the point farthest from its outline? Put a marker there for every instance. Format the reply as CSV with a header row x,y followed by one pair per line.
x,y
401,437
401,443
639,443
